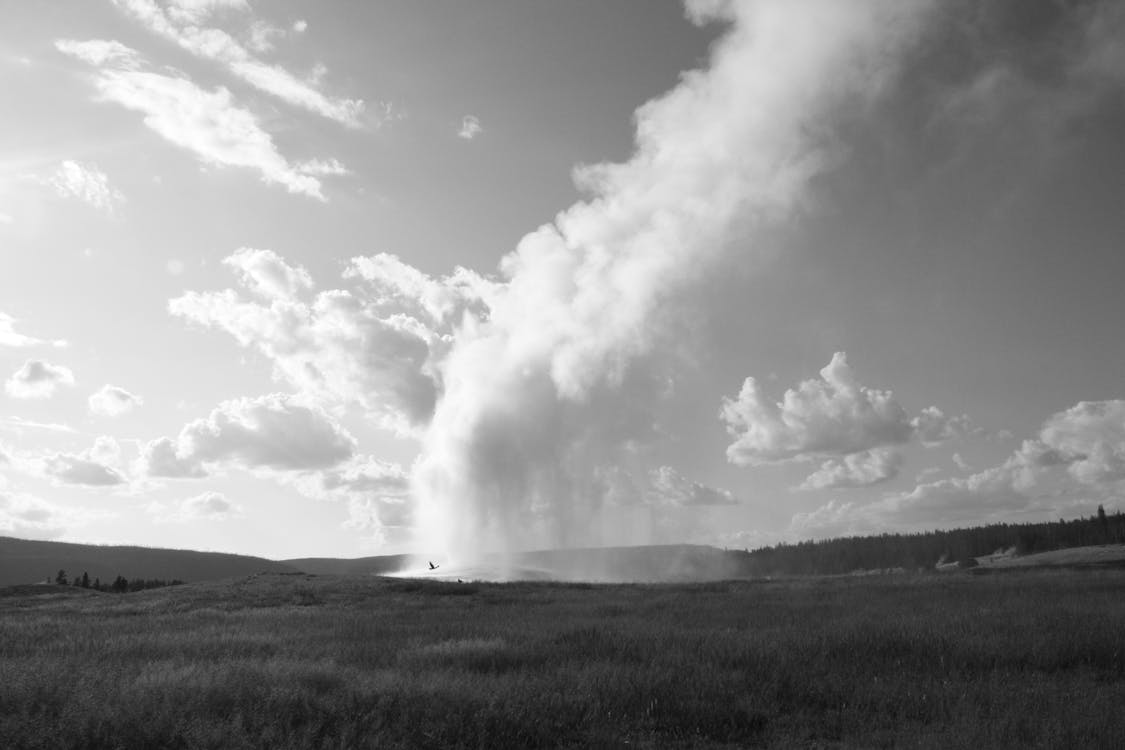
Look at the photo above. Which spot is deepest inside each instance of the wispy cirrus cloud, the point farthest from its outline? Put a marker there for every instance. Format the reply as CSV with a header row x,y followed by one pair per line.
x,y
180,25
207,123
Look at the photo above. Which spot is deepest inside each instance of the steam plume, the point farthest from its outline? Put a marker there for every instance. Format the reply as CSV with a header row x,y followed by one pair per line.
x,y
543,399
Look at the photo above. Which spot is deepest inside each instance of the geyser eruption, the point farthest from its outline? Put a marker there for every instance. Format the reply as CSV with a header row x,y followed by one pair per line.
x,y
545,401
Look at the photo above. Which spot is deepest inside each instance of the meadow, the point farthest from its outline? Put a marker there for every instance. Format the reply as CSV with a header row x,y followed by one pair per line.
x,y
1022,659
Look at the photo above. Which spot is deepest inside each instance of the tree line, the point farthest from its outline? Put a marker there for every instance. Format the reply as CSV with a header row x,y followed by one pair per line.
x,y
120,585
927,549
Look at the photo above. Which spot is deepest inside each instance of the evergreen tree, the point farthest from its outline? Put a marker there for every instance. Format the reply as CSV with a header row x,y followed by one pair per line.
x,y
85,580
61,577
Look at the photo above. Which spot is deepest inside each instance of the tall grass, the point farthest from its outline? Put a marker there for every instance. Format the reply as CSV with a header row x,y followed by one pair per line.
x,y
1034,660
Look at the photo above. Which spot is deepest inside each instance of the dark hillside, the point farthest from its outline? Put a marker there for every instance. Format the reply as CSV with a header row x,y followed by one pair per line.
x,y
26,561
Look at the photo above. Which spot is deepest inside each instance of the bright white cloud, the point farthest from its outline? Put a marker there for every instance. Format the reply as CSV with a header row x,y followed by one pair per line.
x,y
38,379
470,128
276,432
861,469
87,183
101,52
376,346
29,517
1076,462
207,123
112,401
179,26
1090,438
9,336
833,416
264,273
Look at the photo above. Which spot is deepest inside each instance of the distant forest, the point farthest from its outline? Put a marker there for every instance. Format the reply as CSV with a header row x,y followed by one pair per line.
x,y
120,585
927,549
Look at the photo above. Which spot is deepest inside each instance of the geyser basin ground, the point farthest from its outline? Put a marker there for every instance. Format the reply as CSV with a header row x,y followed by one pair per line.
x,y
644,564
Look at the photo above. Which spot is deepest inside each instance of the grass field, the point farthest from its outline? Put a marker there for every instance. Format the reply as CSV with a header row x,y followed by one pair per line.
x,y
1032,659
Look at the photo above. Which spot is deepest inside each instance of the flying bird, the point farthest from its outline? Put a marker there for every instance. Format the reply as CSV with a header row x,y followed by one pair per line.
x,y
432,566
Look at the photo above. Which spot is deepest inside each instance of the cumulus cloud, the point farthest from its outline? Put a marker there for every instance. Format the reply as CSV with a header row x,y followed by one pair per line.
x,y
670,487
38,379
87,183
180,25
112,401
470,128
1089,438
1076,461
29,517
207,123
834,415
276,432
9,336
206,506
861,469
264,273
933,427
81,469
375,344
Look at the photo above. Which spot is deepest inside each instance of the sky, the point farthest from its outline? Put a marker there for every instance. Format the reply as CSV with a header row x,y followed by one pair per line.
x,y
465,277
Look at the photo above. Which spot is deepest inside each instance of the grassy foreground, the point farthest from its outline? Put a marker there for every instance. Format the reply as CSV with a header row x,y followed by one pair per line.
x,y
273,661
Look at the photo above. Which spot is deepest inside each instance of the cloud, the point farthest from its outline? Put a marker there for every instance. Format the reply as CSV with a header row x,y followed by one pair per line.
x,y
101,52
276,432
87,183
933,427
112,401
195,11
179,26
669,487
470,128
29,517
833,416
375,345
861,469
38,379
206,506
264,273
81,469
1076,461
1089,438
377,495
9,337
207,123
19,424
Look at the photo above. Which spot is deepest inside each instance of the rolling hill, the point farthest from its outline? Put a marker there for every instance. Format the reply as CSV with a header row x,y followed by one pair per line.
x,y
26,561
